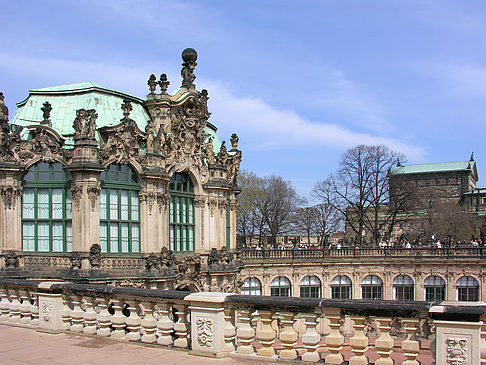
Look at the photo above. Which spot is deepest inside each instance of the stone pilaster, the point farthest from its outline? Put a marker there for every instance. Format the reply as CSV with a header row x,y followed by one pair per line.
x,y
10,208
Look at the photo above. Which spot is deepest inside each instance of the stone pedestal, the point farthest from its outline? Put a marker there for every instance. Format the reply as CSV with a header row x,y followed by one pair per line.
x,y
457,342
50,312
207,323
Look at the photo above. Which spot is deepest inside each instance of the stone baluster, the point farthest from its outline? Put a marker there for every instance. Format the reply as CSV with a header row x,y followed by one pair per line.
x,y
66,313
181,327
165,325
4,305
311,338
25,315
245,332
133,321
384,344
410,346
149,323
14,305
103,318
34,310
118,319
266,335
77,314
359,342
229,331
334,340
89,316
288,336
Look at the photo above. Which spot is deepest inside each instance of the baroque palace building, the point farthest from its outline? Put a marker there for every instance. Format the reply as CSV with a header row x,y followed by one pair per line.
x,y
98,186
96,183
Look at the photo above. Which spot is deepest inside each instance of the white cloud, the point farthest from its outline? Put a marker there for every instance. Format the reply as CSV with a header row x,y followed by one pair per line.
x,y
261,125
271,128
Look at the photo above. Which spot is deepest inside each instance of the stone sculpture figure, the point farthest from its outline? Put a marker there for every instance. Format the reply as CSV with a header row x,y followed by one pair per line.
x,y
223,154
85,123
209,151
189,56
46,113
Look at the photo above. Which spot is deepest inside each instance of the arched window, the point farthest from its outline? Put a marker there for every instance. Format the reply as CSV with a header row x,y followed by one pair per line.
x,y
467,289
251,286
403,288
372,287
119,210
280,287
341,287
46,209
181,213
310,287
435,288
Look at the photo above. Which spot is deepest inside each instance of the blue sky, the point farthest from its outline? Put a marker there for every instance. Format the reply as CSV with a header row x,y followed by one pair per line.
x,y
298,81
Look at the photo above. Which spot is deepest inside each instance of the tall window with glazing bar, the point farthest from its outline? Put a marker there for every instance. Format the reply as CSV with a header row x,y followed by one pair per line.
x,y
181,213
46,209
119,210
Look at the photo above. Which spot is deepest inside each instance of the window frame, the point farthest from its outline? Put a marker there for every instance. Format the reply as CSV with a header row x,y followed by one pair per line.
x,y
248,290
182,195
436,291
280,290
119,186
403,290
32,182
308,290
338,290
470,291
372,290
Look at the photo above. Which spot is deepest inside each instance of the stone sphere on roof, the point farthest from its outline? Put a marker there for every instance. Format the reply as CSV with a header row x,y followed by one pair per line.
x,y
189,55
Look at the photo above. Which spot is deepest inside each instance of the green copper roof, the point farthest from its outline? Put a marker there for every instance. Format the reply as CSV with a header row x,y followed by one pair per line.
x,y
434,167
66,99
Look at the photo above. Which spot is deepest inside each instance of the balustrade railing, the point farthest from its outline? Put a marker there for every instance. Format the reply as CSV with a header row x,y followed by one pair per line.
x,y
313,253
327,330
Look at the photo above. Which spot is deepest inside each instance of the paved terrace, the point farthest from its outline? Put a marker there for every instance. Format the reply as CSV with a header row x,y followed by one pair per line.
x,y
25,346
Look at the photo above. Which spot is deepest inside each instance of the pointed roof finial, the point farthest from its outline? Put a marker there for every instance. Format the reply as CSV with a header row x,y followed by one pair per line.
x,y
189,56
127,108
152,83
46,110
163,83
472,156
398,162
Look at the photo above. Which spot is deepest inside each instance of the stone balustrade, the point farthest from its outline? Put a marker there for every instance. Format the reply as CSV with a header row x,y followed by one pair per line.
x,y
255,327
321,254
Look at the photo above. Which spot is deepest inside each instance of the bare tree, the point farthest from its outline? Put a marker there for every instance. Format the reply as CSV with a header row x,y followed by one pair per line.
x,y
305,221
249,220
360,191
279,202
381,214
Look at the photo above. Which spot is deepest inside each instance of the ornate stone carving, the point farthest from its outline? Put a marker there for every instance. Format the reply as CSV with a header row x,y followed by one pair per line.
x,y
152,263
209,151
163,200
457,350
151,198
3,110
75,260
45,145
123,140
10,195
234,139
189,56
199,201
85,123
183,147
213,203
11,260
46,311
205,331
164,84
93,194
223,154
222,204
46,114
77,192
152,83
95,256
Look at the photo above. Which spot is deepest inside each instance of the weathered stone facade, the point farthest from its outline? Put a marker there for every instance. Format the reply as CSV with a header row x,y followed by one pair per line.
x,y
83,189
